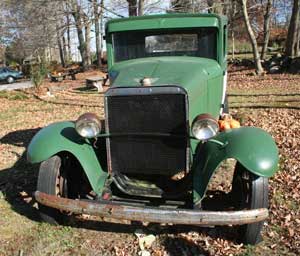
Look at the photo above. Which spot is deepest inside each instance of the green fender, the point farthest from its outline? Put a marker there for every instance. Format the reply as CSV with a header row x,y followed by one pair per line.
x,y
254,148
62,136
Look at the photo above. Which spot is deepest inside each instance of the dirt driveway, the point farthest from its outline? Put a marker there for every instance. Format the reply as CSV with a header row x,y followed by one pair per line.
x,y
16,86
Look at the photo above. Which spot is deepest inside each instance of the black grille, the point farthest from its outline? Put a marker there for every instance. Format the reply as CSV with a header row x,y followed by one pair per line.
x,y
149,133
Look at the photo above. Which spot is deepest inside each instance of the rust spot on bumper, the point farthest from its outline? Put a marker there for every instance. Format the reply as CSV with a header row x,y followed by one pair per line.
x,y
152,214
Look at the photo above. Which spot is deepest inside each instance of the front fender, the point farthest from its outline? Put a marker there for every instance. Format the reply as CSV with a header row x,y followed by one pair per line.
x,y
254,148
62,136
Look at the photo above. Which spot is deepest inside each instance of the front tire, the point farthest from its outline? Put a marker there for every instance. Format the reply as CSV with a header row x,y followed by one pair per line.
x,y
249,192
52,180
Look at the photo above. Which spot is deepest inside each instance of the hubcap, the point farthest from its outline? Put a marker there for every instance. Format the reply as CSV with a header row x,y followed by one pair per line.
x,y
10,80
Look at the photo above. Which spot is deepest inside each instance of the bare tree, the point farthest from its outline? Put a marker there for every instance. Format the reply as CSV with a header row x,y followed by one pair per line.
x,y
68,33
141,7
60,47
33,23
45,26
257,61
298,42
215,6
132,7
267,17
231,12
292,45
87,31
79,27
83,27
181,5
135,7
97,15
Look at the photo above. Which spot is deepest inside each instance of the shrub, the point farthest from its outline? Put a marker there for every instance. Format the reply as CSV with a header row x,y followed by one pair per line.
x,y
38,73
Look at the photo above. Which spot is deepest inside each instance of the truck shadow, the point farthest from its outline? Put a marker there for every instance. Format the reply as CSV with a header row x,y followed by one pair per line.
x,y
17,184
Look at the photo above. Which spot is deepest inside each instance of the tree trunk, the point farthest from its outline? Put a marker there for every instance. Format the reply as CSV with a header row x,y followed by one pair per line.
x,y
267,17
298,43
97,33
87,30
233,43
60,47
69,39
258,66
82,46
78,24
68,56
292,37
132,7
141,8
101,28
65,49
231,12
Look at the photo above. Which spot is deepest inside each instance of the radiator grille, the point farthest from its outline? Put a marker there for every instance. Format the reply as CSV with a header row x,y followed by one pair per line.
x,y
149,133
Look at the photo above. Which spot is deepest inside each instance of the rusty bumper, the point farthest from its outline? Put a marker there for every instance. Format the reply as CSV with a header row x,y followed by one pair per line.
x,y
151,214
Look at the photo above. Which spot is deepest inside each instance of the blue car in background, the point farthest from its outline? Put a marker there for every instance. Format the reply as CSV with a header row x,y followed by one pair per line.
x,y
9,75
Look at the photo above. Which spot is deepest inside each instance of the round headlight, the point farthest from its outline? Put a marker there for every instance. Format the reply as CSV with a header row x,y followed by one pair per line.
x,y
204,127
88,125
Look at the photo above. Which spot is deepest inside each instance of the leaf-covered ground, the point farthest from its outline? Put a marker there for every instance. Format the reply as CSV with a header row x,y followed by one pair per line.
x,y
21,233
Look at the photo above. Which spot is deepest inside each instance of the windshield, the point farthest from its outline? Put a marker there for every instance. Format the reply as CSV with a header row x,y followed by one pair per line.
x,y
200,42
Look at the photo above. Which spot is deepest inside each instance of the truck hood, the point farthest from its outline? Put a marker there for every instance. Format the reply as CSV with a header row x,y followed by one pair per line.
x,y
188,72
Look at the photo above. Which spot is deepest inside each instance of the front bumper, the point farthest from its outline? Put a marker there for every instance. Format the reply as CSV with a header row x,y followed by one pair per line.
x,y
151,214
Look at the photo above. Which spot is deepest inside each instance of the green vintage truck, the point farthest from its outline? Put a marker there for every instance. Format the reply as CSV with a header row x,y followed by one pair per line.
x,y
153,156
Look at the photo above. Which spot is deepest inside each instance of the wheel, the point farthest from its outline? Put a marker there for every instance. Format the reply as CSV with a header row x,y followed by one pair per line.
x,y
53,179
10,79
249,191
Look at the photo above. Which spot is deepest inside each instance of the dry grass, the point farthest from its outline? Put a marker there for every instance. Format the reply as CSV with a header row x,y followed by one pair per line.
x,y
21,232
